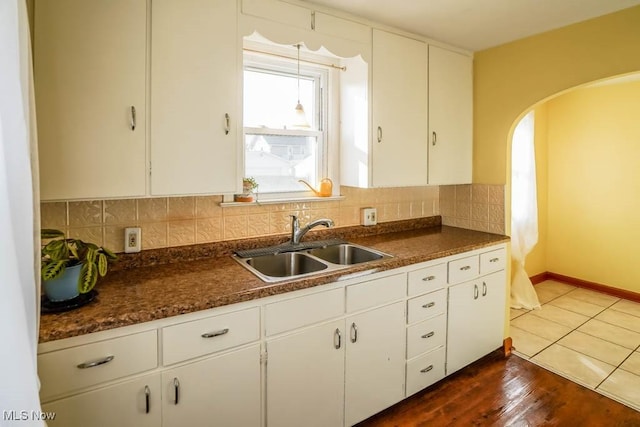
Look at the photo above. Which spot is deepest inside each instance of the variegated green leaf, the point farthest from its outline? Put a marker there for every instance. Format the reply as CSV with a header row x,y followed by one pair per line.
x,y
88,278
50,233
53,269
110,254
74,251
91,255
102,264
55,250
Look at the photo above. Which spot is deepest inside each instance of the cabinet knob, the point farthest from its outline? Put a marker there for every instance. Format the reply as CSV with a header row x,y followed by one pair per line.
x,y
337,336
133,118
94,363
147,395
176,388
428,278
465,268
215,333
428,305
313,19
227,123
484,289
429,335
427,369
494,260
434,138
475,292
354,333
379,134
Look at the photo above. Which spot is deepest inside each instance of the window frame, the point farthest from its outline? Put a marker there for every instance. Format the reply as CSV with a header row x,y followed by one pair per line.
x,y
274,63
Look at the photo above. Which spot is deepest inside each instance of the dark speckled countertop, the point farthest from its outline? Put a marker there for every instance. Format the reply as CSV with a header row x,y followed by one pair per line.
x,y
138,291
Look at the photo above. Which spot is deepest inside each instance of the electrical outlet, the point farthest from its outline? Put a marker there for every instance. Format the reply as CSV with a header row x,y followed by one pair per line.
x,y
132,239
369,216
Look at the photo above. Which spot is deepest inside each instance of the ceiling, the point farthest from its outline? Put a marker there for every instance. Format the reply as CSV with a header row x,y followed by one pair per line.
x,y
478,24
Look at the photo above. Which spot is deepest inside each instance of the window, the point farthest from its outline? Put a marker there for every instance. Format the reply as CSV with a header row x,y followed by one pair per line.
x,y
278,153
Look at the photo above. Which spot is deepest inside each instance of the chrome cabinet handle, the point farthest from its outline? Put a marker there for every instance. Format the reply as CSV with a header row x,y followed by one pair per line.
x,y
227,123
484,289
147,395
94,363
429,335
466,267
494,260
434,138
428,278
428,305
215,333
176,388
337,334
354,332
133,118
313,19
379,134
427,369
475,292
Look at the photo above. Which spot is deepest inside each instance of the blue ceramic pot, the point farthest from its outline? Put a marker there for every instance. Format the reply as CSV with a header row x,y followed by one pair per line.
x,y
65,286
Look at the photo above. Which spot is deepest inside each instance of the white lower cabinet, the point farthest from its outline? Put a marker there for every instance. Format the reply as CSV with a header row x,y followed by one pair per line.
x,y
305,377
374,371
219,391
134,403
476,319
327,356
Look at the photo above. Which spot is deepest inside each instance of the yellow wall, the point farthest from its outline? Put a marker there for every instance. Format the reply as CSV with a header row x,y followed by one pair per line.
x,y
511,78
593,140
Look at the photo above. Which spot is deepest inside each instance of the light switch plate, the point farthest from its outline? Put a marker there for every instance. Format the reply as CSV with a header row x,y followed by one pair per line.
x,y
369,216
132,239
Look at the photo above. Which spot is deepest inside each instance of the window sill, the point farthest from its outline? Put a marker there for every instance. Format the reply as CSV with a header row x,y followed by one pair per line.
x,y
283,200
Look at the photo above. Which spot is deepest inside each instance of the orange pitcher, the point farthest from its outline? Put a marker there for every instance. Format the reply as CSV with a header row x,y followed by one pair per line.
x,y
326,187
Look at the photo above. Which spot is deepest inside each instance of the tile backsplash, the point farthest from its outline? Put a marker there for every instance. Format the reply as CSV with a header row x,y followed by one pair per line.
x,y
473,206
177,221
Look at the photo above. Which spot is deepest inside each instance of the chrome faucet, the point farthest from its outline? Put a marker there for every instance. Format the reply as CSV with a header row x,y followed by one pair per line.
x,y
297,233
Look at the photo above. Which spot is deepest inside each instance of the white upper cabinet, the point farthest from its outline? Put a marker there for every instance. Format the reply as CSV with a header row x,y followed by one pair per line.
x,y
399,146
307,19
450,117
90,89
194,97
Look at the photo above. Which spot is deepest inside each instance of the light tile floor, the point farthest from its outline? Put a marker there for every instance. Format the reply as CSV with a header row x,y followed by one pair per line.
x,y
587,337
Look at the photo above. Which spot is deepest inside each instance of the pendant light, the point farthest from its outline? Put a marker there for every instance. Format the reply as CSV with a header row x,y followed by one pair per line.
x,y
299,118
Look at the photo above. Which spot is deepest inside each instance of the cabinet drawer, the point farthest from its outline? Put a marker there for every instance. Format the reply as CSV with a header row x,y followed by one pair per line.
x,y
493,261
425,370
74,368
426,336
426,306
297,312
463,269
201,337
427,279
375,292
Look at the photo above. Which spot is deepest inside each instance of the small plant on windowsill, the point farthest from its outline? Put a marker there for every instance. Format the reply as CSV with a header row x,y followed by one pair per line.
x,y
70,267
249,185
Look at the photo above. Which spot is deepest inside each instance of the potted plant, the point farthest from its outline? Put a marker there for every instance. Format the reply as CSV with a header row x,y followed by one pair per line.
x,y
248,186
70,267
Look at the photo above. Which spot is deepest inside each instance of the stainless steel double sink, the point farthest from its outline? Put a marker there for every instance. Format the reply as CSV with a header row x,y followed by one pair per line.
x,y
292,265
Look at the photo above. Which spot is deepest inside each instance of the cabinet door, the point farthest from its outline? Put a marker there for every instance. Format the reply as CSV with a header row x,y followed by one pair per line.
x,y
305,377
90,75
476,319
450,116
375,363
220,391
134,403
399,111
194,97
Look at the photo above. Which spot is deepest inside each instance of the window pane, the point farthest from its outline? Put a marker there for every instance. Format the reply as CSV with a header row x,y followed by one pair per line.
x,y
277,162
270,99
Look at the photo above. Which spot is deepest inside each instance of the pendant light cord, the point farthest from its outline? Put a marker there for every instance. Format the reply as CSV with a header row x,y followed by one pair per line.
x,y
298,46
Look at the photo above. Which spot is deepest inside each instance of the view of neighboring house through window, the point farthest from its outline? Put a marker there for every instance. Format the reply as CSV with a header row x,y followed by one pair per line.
x,y
278,151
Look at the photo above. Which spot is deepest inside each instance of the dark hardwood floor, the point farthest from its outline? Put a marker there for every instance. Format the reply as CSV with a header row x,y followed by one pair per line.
x,y
499,391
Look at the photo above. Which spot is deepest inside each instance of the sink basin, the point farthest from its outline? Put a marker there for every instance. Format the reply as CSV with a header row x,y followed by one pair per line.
x,y
278,266
346,254
286,264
